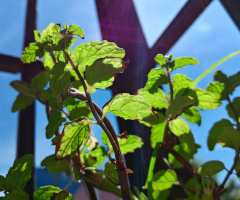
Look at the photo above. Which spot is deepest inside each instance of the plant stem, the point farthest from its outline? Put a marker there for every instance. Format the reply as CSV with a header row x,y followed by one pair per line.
x,y
55,180
170,85
234,112
121,168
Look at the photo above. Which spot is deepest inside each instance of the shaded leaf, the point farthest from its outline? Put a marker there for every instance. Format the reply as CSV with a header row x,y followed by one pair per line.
x,y
155,97
17,195
74,133
181,81
23,88
174,162
236,105
188,143
111,173
3,183
182,62
100,154
40,81
20,173
63,195
140,195
21,102
220,77
57,166
47,160
215,131
229,137
86,53
179,105
218,89
45,192
156,77
129,107
101,73
192,115
211,168
232,82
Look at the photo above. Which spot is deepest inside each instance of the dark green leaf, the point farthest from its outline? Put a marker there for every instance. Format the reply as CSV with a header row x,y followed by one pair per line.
x,y
218,89
21,102
188,143
229,137
17,195
211,168
111,173
129,107
3,183
23,88
40,81
220,77
74,133
179,127
179,105
101,73
215,131
86,53
183,61
31,53
236,105
155,97
45,192
55,121
232,82
156,77
63,195
48,160
60,80
192,115
44,95
57,166
20,173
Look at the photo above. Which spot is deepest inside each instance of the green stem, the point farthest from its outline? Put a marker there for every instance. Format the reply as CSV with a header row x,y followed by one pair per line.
x,y
214,66
151,170
55,180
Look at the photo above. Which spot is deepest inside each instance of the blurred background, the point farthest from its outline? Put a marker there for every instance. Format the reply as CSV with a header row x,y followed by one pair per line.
x,y
208,36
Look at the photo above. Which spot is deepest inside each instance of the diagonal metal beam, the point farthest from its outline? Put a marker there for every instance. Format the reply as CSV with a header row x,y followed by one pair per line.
x,y
233,9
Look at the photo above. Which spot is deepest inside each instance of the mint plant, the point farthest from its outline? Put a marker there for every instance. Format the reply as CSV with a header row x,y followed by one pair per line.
x,y
65,89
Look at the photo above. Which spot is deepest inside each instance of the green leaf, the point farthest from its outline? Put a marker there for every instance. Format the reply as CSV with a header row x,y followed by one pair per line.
x,y
47,160
86,53
44,95
48,62
163,60
60,80
37,35
23,88
31,53
157,130
101,73
156,77
100,154
129,107
179,127
74,133
155,97
220,77
179,105
218,89
3,183
20,173
211,168
40,81
182,62
229,137
164,179
45,192
48,31
21,102
63,195
188,143
17,195
76,30
215,132
232,82
129,144
236,105
181,81
55,121
57,166
76,108
111,173
174,162
192,115
140,195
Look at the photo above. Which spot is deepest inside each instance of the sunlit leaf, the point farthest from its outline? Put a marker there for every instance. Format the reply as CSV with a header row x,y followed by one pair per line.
x,y
129,144
91,143
101,73
100,154
182,62
129,107
218,89
179,127
31,52
229,137
211,167
20,173
192,115
181,81
74,133
45,192
86,53
156,77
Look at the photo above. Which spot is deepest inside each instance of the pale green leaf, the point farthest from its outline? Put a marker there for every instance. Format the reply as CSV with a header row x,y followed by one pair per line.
x,y
192,115
91,143
111,173
155,97
218,89
45,192
31,52
179,127
20,173
160,59
181,81
183,61
76,30
17,195
23,88
48,62
188,143
21,102
229,137
211,168
74,133
215,131
54,122
100,154
179,105
40,81
86,53
101,73
156,78
129,107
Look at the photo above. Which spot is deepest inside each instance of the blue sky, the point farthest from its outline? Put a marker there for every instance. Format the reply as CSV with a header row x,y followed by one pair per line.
x,y
210,38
